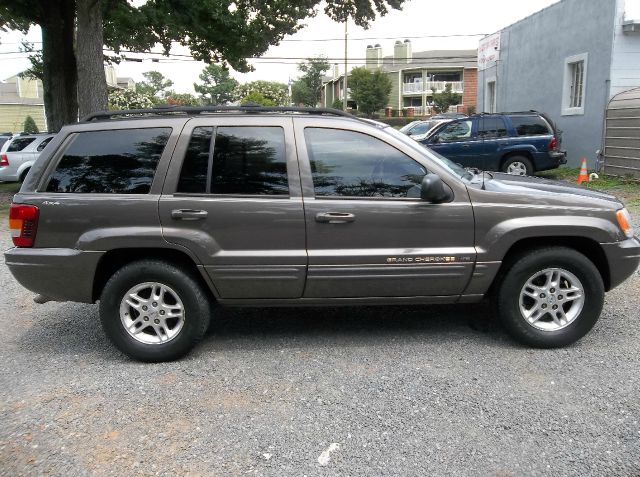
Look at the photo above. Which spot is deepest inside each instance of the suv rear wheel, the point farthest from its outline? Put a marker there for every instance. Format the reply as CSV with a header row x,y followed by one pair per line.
x,y
518,165
153,311
550,297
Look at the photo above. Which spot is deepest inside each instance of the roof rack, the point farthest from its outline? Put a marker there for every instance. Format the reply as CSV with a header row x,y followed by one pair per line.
x,y
195,110
509,112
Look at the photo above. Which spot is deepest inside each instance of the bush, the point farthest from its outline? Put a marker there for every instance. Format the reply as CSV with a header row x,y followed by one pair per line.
x,y
128,99
471,110
30,126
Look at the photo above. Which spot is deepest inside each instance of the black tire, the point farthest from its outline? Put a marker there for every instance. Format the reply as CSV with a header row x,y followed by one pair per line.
x,y
196,305
521,160
23,176
525,266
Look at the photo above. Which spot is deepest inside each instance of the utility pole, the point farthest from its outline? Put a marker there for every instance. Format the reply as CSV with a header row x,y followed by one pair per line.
x,y
344,103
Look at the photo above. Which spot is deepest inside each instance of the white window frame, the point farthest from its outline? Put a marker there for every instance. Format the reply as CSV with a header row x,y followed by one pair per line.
x,y
490,104
567,109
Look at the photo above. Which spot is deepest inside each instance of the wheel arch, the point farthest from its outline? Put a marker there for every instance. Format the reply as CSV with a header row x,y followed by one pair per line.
x,y
115,259
518,152
586,246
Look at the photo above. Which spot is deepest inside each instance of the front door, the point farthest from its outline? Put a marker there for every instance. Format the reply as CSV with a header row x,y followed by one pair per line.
x,y
232,198
368,232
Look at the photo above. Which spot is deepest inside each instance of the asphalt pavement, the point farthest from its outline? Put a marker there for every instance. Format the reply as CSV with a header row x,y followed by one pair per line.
x,y
405,391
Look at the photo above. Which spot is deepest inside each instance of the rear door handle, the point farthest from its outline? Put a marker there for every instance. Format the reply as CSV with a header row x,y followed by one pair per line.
x,y
188,214
335,217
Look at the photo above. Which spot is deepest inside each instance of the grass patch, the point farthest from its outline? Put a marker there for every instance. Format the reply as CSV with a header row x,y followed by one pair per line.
x,y
10,187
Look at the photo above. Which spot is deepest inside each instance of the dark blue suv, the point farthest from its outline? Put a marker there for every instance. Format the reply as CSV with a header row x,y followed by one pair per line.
x,y
517,143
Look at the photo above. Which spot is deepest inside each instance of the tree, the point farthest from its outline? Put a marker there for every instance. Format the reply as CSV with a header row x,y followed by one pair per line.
x,y
255,97
217,85
277,93
308,88
128,99
337,104
227,31
370,90
442,101
181,99
30,126
92,95
155,85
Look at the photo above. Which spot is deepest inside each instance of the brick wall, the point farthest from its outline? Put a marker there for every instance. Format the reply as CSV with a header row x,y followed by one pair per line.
x,y
469,97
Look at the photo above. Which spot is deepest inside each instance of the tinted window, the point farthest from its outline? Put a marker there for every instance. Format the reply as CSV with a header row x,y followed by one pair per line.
x,y
249,161
530,125
422,128
351,164
19,143
43,144
456,131
117,161
193,177
491,127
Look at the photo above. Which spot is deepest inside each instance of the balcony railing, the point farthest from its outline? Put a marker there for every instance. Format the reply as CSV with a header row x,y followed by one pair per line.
x,y
429,86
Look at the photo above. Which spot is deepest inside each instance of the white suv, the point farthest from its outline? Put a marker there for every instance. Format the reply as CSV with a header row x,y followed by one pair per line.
x,y
18,154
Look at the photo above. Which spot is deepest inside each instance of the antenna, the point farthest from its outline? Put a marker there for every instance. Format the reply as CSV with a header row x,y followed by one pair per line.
x,y
484,156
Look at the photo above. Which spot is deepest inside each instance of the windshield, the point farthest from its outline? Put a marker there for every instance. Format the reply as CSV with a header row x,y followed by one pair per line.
x,y
452,166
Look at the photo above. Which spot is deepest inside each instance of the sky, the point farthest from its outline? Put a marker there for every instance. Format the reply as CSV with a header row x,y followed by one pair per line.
x,y
461,21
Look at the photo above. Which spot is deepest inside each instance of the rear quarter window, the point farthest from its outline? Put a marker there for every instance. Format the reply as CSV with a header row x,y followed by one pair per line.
x,y
110,162
530,126
19,143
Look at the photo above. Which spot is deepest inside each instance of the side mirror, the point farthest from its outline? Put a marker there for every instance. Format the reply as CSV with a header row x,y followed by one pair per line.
x,y
435,139
434,190
410,133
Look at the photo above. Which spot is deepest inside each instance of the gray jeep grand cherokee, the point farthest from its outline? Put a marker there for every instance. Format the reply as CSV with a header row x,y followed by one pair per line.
x,y
160,214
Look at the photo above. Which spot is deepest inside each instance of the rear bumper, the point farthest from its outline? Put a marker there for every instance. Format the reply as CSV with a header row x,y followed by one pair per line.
x,y
60,274
549,160
623,259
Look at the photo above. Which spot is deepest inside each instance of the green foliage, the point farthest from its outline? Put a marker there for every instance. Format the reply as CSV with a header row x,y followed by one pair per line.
x,y
277,93
217,85
370,90
337,104
307,90
363,12
257,98
30,125
471,110
128,99
181,99
154,86
442,101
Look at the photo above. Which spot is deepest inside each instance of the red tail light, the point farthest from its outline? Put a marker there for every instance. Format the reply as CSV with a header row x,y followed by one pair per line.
x,y
23,222
4,160
553,144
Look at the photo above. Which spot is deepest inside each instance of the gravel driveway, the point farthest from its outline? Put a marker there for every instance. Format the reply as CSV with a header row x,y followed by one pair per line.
x,y
319,392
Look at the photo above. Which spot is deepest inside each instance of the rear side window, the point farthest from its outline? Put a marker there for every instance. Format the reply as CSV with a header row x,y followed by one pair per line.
x,y
491,128
110,162
530,125
43,144
243,160
19,143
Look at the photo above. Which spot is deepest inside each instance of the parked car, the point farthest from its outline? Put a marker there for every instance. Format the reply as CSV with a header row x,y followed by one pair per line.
x,y
18,154
160,216
419,130
449,116
516,143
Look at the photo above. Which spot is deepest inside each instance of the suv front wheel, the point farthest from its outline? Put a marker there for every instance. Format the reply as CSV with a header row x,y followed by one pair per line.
x,y
550,297
153,311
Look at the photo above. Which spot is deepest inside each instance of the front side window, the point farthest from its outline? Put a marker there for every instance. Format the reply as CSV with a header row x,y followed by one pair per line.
x,y
456,131
237,160
19,143
121,161
352,164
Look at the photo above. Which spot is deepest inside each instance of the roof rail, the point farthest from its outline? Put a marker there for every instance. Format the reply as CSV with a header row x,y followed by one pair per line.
x,y
510,112
195,110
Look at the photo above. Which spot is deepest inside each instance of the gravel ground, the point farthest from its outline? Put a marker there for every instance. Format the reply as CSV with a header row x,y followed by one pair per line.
x,y
336,392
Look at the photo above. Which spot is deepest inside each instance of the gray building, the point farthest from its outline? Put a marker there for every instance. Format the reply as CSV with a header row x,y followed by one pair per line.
x,y
567,60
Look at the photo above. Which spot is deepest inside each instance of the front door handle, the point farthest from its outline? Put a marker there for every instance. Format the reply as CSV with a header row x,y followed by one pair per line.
x,y
335,217
188,214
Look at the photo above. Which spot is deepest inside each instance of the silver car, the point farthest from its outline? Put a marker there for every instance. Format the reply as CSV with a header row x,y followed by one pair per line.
x,y
18,154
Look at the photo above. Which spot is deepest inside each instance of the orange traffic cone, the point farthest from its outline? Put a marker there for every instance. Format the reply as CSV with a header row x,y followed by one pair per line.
x,y
584,175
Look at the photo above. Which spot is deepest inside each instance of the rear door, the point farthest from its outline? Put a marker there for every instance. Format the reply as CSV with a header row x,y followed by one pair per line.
x,y
368,232
232,197
493,136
